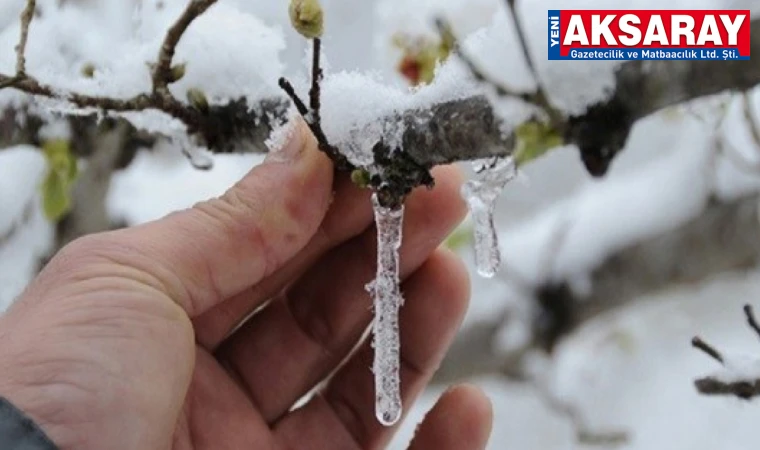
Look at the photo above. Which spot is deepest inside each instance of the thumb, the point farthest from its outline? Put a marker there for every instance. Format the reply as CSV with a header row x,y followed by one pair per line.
x,y
222,246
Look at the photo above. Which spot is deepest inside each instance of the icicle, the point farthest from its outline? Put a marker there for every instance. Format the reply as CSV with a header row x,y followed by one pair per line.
x,y
386,294
481,194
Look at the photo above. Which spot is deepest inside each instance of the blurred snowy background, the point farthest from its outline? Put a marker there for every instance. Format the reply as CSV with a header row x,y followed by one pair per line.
x,y
630,369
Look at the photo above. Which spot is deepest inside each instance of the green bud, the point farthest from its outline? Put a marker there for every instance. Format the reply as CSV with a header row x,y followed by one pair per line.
x,y
360,177
88,70
307,18
197,99
177,72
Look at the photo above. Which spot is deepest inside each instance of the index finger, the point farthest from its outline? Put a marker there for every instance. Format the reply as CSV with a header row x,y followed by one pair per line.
x,y
204,255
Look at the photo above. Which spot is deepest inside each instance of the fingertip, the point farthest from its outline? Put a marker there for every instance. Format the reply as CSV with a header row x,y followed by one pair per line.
x,y
476,407
452,280
462,418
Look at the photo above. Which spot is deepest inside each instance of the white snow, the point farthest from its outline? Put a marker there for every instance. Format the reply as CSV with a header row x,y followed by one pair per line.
x,y
25,233
356,130
738,367
229,53
161,181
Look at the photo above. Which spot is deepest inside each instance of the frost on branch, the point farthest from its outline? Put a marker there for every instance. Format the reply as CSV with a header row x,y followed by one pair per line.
x,y
386,294
481,194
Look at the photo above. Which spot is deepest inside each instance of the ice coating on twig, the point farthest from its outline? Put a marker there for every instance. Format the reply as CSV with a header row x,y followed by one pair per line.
x,y
387,298
481,194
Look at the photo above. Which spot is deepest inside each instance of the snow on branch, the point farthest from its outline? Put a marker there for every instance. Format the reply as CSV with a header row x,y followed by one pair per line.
x,y
458,129
722,238
740,377
222,128
162,73
26,19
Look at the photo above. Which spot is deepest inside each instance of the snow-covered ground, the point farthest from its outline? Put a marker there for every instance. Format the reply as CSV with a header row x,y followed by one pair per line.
x,y
631,371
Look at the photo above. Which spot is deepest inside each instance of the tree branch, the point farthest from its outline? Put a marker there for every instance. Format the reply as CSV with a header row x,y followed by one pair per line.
x,y
465,129
26,19
162,73
741,385
222,128
722,238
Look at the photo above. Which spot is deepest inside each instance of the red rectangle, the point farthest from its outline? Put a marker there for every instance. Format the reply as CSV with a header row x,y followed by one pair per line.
x,y
655,29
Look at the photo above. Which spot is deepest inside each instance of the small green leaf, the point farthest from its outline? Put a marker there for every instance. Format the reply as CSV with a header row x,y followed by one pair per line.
x,y
56,201
59,180
534,139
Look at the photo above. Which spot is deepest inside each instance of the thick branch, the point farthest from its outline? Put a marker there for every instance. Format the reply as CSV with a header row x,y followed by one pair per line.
x,y
223,128
723,238
465,129
107,142
644,87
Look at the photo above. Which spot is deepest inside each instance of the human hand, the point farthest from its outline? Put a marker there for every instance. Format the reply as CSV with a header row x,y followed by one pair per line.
x,y
130,339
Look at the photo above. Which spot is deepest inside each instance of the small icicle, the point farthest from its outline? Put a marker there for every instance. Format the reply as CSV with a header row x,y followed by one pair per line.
x,y
386,294
198,157
481,194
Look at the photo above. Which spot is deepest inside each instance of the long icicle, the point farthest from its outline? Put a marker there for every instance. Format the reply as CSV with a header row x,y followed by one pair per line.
x,y
386,294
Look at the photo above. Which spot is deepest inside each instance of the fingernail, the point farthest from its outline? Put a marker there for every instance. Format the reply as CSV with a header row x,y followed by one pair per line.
x,y
293,145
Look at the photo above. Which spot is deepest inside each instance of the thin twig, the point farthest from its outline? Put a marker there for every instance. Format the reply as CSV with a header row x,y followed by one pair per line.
x,y
6,82
26,19
311,114
537,99
139,102
540,97
523,42
708,349
445,29
163,68
316,80
745,389
751,319
291,92
160,99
